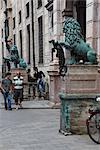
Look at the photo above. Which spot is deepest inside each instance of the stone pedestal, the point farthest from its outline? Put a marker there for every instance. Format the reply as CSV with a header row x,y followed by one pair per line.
x,y
54,86
82,89
74,111
83,79
79,91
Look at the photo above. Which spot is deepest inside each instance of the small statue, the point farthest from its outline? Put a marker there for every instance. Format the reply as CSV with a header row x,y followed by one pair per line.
x,y
74,41
60,55
14,55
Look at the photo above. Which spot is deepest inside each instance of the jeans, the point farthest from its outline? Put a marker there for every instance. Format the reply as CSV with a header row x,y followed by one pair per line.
x,y
7,100
41,87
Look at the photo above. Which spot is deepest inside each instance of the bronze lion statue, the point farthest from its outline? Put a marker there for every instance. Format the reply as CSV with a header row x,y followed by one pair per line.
x,y
74,42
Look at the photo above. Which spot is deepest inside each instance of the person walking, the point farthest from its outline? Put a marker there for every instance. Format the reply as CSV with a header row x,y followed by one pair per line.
x,y
39,75
6,88
18,90
35,77
31,82
41,87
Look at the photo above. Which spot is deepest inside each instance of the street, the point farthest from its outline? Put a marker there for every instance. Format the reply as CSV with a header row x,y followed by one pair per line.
x,y
35,129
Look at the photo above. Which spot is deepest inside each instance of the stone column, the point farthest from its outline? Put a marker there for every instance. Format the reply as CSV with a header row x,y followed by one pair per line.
x,y
93,25
55,81
98,31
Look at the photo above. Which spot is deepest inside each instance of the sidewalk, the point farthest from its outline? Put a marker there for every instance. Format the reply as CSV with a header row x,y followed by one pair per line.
x,y
35,104
32,104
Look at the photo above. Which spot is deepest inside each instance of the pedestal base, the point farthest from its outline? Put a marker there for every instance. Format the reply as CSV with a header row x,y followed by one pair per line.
x,y
82,87
74,112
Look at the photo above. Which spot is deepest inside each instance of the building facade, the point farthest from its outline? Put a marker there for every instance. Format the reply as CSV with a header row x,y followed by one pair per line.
x,y
31,24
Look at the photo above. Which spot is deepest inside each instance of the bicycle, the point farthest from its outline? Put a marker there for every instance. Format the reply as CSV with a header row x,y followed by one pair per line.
x,y
93,124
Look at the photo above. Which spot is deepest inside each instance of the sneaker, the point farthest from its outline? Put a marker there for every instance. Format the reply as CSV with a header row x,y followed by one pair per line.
x,y
17,107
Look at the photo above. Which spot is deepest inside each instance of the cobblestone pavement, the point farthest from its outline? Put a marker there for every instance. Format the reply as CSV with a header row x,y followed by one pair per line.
x,y
37,129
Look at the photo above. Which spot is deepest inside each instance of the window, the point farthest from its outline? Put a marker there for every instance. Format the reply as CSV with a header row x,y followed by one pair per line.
x,y
6,28
28,44
27,10
40,34
21,47
2,33
14,39
20,17
39,3
2,50
14,23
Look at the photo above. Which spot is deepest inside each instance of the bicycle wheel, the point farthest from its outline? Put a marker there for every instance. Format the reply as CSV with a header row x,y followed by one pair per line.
x,y
93,127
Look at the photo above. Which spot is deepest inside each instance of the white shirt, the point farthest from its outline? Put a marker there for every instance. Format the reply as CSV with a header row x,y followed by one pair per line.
x,y
18,82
